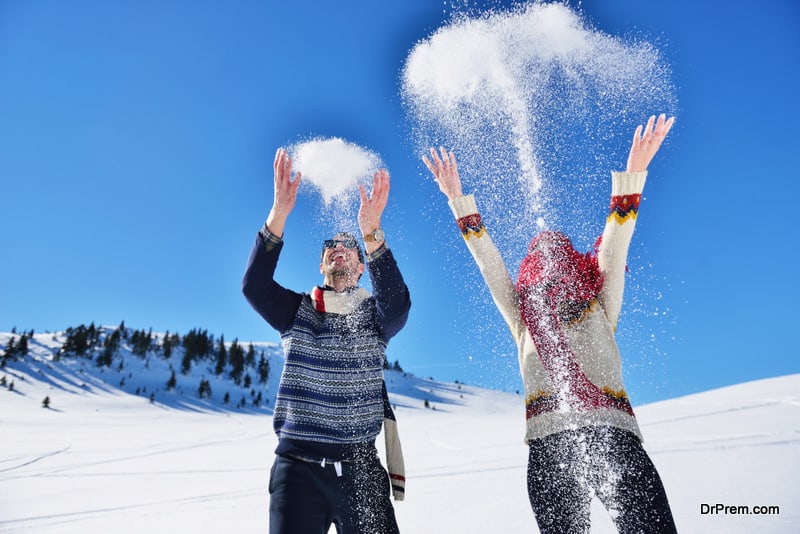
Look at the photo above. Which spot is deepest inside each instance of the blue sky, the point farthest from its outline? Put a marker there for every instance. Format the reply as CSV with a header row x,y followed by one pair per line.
x,y
136,147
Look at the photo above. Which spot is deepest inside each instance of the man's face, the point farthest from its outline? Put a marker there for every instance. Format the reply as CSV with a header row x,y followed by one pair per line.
x,y
340,257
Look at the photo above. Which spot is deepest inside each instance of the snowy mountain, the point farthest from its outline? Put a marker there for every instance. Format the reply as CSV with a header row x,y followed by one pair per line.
x,y
145,369
87,359
119,451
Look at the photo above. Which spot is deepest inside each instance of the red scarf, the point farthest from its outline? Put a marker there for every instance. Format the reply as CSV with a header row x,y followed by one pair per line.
x,y
552,274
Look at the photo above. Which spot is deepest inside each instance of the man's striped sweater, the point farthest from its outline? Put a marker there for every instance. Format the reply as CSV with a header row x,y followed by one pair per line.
x,y
330,403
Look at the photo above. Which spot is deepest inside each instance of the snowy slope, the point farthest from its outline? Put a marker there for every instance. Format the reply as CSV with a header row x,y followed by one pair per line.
x,y
104,459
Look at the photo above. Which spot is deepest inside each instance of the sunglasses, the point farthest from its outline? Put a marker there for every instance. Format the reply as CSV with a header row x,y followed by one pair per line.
x,y
346,243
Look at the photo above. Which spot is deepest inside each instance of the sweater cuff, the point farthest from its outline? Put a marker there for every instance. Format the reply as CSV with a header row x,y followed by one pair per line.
x,y
377,253
627,183
463,206
270,240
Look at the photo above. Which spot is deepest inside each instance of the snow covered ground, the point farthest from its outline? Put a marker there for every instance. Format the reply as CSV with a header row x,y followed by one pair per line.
x,y
102,459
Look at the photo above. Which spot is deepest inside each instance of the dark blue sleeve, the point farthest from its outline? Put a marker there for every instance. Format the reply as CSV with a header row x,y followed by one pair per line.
x,y
390,292
276,304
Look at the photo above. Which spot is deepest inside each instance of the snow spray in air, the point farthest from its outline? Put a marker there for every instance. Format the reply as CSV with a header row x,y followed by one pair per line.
x,y
536,105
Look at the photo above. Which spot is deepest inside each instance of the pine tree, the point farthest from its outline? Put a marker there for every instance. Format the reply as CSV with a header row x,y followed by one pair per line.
x,y
92,335
110,346
263,369
236,358
46,402
77,341
205,389
186,362
140,342
222,356
166,345
250,359
196,345
172,382
9,352
22,346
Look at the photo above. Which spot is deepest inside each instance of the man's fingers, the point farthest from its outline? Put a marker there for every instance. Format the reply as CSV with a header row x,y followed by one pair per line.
x,y
283,165
381,189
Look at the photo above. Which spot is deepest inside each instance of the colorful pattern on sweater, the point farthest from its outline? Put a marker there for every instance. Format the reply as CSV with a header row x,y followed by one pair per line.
x,y
544,402
624,207
331,386
471,226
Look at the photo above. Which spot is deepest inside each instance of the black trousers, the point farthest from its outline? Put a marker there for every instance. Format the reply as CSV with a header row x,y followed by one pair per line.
x,y
567,468
306,497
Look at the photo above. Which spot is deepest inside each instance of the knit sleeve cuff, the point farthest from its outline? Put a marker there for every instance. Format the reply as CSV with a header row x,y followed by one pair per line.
x,y
627,183
463,206
270,240
377,253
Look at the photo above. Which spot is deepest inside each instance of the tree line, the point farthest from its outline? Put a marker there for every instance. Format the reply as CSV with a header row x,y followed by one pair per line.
x,y
102,344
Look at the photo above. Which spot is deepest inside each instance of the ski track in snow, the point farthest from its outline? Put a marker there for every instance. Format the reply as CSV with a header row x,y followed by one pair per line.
x,y
31,461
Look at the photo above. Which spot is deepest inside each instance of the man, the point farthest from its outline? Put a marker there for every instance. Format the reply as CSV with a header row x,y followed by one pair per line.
x,y
332,399
581,431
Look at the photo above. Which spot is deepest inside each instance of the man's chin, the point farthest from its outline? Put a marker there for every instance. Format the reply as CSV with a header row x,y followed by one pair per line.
x,y
340,271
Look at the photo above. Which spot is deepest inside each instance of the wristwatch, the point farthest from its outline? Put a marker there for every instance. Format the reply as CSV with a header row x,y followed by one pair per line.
x,y
376,236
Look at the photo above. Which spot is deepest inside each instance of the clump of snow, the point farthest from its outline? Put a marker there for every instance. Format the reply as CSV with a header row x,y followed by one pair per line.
x,y
334,166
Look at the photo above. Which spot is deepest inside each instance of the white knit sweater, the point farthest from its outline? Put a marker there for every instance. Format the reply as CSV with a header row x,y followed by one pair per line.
x,y
591,338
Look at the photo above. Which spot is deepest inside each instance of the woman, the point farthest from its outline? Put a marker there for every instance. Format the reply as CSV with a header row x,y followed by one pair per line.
x,y
563,310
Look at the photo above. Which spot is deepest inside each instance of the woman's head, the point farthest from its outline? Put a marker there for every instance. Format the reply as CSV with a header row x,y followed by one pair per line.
x,y
553,268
